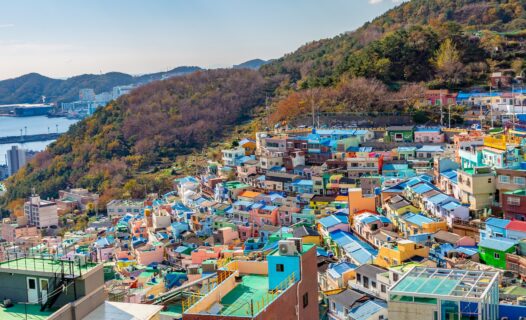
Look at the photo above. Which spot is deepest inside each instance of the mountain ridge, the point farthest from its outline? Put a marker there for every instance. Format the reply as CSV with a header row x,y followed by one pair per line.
x,y
29,88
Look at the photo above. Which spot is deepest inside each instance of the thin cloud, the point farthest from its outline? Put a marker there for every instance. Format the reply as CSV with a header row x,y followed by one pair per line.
x,y
6,25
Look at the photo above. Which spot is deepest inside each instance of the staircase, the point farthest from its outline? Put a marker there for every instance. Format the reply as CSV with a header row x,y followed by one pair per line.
x,y
59,284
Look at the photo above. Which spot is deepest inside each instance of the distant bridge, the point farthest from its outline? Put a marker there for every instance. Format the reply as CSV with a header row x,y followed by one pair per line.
x,y
29,138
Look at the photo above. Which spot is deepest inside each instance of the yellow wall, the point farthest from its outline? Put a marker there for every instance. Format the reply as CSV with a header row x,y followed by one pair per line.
x,y
388,257
312,240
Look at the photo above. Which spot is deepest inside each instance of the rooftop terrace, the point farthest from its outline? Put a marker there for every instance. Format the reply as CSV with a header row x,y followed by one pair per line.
x,y
237,302
47,265
445,282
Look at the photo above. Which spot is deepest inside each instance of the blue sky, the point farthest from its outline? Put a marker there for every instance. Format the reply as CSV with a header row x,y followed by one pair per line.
x,y
61,38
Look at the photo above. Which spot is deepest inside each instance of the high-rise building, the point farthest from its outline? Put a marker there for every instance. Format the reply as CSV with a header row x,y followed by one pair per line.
x,y
41,213
16,159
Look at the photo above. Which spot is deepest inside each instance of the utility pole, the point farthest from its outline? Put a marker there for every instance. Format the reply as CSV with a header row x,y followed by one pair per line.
x,y
513,103
449,116
441,110
491,104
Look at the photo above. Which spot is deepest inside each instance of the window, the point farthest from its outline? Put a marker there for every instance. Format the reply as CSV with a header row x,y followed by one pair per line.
x,y
333,306
496,255
519,180
305,300
395,277
345,312
399,136
383,288
489,180
31,283
514,201
373,284
504,179
366,282
358,277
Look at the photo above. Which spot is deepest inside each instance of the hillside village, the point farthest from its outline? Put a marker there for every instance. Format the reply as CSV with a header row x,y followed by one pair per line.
x,y
344,223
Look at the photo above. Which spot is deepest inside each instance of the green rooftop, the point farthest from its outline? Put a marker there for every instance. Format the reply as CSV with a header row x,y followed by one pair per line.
x,y
519,192
173,310
47,265
237,302
22,312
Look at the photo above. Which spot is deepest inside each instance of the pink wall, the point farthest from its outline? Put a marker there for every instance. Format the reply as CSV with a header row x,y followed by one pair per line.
x,y
434,137
257,216
466,242
202,254
156,254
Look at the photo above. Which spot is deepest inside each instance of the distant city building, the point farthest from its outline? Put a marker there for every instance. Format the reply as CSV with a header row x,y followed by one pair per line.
x,y
41,213
122,90
87,94
16,159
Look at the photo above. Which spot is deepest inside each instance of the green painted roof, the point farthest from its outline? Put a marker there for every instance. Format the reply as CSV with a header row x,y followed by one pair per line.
x,y
47,265
19,312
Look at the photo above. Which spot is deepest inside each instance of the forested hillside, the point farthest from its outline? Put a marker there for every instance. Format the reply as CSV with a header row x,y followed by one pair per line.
x,y
149,127
400,45
386,65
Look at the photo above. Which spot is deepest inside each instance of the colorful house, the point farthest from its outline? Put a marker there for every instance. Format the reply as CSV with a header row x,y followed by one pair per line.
x,y
429,135
493,251
399,134
417,223
403,251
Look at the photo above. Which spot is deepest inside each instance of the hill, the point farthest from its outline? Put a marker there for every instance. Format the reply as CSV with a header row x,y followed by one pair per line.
x,y
31,87
383,66
398,45
112,151
251,64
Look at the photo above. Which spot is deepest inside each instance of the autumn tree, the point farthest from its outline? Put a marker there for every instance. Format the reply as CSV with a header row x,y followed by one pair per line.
x,y
448,63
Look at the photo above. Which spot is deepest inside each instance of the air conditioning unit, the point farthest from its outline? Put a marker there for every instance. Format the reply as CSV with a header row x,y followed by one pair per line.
x,y
287,248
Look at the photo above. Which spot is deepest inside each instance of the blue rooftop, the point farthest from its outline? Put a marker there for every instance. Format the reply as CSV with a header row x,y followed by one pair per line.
x,y
418,219
333,220
451,205
360,251
430,148
496,222
438,198
338,269
500,244
427,129
366,310
423,188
